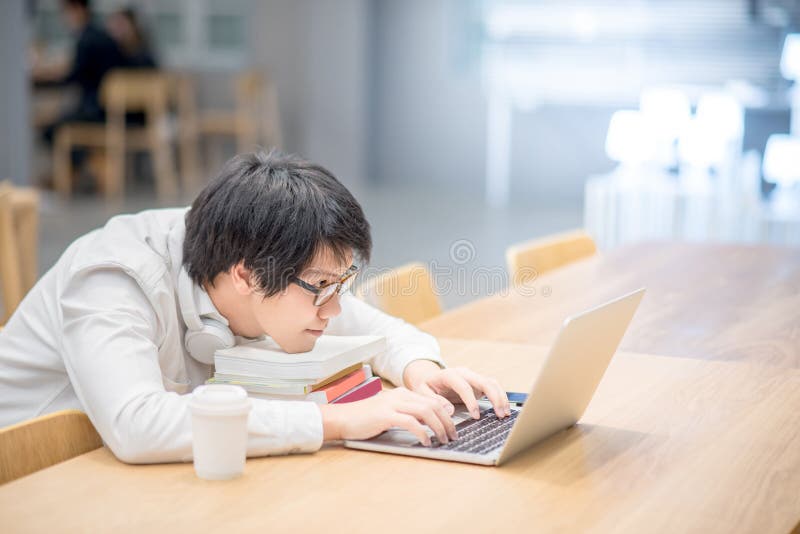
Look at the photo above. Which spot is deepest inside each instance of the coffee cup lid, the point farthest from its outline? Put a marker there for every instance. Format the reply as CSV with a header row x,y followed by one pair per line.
x,y
220,399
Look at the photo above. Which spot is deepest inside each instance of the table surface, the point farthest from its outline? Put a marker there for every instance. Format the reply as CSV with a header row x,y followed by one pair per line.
x,y
667,444
709,301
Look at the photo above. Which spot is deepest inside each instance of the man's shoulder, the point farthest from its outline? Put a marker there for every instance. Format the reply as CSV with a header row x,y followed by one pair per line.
x,y
136,243
96,42
94,35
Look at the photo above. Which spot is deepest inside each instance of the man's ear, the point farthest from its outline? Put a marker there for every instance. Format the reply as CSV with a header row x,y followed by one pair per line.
x,y
242,279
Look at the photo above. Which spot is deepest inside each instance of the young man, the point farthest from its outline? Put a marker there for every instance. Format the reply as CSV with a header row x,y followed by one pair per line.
x,y
127,321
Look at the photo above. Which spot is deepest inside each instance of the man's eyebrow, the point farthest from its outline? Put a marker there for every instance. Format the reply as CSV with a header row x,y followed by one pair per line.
x,y
324,273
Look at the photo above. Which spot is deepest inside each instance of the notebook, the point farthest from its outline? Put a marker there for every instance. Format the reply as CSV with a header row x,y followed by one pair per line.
x,y
331,354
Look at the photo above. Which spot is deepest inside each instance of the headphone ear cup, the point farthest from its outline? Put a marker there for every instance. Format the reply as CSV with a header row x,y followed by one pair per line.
x,y
202,344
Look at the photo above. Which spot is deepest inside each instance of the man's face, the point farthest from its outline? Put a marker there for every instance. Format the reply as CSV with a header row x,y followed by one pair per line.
x,y
290,317
75,17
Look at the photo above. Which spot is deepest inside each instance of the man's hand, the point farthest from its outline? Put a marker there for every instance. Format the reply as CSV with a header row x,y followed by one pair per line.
x,y
456,384
394,407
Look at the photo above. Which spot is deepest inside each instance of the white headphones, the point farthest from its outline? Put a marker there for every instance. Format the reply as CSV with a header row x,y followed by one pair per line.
x,y
206,330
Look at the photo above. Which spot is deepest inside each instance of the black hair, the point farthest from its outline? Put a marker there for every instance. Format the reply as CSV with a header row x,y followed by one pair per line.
x,y
83,4
274,212
133,19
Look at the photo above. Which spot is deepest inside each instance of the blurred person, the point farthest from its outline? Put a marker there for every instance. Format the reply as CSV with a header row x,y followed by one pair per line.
x,y
96,53
269,247
125,28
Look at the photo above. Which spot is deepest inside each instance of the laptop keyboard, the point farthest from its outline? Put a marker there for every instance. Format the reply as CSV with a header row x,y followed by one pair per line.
x,y
478,436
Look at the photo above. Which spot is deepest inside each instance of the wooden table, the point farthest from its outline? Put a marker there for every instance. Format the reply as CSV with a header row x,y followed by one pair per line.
x,y
721,302
667,445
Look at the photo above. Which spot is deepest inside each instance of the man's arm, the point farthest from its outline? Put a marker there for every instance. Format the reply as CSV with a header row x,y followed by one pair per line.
x,y
110,343
412,359
61,74
405,342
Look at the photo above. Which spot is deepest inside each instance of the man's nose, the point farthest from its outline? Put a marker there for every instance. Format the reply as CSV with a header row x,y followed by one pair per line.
x,y
332,308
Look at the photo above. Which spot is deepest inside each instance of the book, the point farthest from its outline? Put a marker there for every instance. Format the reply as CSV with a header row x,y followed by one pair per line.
x,y
371,386
282,387
322,395
331,354
365,390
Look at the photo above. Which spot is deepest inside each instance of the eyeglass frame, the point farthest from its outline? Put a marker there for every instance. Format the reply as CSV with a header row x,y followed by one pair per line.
x,y
348,276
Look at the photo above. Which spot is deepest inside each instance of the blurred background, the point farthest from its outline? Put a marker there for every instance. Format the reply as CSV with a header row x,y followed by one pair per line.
x,y
462,126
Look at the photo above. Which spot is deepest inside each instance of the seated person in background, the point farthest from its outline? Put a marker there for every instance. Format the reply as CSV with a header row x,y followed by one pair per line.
x,y
104,332
124,27
95,54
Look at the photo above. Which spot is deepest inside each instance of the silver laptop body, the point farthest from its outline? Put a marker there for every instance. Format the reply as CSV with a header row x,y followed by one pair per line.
x,y
566,383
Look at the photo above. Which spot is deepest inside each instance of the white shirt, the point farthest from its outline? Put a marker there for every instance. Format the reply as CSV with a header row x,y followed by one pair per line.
x,y
102,332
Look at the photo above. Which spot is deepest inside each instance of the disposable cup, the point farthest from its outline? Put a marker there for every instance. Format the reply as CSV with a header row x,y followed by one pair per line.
x,y
219,431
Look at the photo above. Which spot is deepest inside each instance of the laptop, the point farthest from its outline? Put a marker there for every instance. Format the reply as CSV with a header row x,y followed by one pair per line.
x,y
560,394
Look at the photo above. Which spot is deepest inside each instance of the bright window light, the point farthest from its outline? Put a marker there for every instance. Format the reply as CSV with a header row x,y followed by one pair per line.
x,y
700,145
630,138
790,59
722,114
782,160
667,109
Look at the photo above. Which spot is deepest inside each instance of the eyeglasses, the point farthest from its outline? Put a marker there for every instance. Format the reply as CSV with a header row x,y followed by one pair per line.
x,y
326,292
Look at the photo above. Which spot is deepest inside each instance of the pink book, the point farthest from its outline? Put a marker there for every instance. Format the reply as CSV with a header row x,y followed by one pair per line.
x,y
339,387
362,391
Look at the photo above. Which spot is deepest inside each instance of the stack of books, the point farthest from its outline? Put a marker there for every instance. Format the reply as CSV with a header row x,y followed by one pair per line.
x,y
334,371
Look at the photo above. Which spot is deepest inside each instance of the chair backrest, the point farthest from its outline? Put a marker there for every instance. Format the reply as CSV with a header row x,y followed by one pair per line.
x,y
32,445
406,292
10,266
182,89
125,90
19,224
257,108
528,260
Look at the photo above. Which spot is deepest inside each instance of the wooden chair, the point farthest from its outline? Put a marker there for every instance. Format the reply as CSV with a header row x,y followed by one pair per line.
x,y
19,227
183,90
406,292
528,260
123,91
32,445
254,122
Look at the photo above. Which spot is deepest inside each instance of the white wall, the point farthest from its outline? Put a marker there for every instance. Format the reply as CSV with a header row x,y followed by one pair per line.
x,y
373,89
428,122
317,53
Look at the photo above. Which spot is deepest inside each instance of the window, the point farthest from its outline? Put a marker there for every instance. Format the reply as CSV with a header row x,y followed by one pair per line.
x,y
194,34
584,51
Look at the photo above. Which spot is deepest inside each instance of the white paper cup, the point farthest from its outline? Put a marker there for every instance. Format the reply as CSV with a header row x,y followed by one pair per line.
x,y
219,430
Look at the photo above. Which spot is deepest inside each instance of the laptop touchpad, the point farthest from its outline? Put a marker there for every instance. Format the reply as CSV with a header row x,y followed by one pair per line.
x,y
397,436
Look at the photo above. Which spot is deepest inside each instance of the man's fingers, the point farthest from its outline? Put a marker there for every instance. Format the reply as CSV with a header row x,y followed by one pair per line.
x,y
426,414
492,389
497,397
444,410
442,407
425,389
447,405
463,389
410,423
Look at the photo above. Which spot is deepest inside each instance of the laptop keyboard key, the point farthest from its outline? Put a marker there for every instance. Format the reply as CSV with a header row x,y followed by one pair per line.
x,y
478,436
